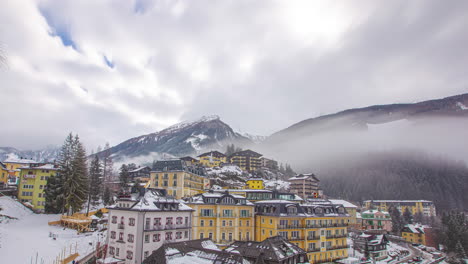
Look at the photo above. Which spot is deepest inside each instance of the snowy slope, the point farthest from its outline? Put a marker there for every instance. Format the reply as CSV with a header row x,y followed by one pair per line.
x,y
23,239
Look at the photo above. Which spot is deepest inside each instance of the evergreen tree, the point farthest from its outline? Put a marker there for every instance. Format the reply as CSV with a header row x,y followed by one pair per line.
x,y
106,197
107,163
281,168
77,182
229,149
124,176
397,221
459,250
95,180
154,165
56,189
53,202
407,216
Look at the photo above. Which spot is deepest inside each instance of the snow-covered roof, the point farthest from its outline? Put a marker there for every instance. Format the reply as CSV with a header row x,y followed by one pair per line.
x,y
254,179
139,169
152,200
373,211
47,166
304,177
274,201
198,199
415,228
397,201
345,203
16,159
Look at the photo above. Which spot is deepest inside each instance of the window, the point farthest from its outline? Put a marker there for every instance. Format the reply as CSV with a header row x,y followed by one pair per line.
x,y
179,220
206,212
129,254
230,236
271,221
147,223
247,235
202,222
210,235
223,236
121,236
178,235
248,223
130,238
146,254
186,234
240,222
211,222
42,178
283,223
175,176
201,236
117,251
147,240
111,250
131,221
295,223
169,221
174,183
295,234
244,213
283,234
157,222
113,235
292,210
224,222
228,200
156,237
230,222
227,213
186,221
168,235
122,220
165,184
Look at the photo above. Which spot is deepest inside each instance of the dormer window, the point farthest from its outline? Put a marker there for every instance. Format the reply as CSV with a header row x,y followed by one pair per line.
x,y
292,210
228,200
319,210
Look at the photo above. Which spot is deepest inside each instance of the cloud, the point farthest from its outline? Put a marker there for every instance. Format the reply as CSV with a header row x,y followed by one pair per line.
x,y
111,70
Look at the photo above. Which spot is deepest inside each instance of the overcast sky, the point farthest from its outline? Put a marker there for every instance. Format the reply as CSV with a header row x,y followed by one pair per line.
x,y
110,70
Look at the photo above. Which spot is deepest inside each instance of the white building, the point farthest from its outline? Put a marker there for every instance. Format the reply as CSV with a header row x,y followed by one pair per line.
x,y
139,225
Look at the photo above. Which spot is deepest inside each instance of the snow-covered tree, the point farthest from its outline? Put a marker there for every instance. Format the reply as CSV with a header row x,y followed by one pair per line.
x,y
397,221
106,198
407,216
107,163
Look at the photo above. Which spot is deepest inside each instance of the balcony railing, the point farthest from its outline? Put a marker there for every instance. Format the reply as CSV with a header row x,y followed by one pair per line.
x,y
337,236
166,227
290,226
311,250
298,238
120,226
336,247
313,237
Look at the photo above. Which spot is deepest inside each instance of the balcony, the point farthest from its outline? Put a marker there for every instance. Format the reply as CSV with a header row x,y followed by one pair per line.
x,y
29,176
337,247
312,250
121,226
165,227
290,226
337,236
120,241
313,237
299,238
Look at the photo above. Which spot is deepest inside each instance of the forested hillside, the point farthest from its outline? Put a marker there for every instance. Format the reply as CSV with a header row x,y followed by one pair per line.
x,y
400,175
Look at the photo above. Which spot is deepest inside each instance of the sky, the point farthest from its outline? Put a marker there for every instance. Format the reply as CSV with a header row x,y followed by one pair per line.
x,y
111,70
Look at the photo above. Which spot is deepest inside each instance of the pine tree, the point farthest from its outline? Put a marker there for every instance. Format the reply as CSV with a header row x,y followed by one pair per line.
x,y
77,182
124,176
106,198
107,163
397,222
56,188
407,216
95,180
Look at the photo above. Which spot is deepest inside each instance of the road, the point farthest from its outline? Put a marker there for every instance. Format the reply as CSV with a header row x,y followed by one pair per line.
x,y
416,252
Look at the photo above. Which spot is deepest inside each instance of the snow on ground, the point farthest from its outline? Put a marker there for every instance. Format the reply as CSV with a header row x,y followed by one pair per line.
x,y
227,170
462,106
280,184
22,239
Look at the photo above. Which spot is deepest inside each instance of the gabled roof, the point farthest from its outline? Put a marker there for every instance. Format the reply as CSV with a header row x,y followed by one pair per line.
x,y
188,158
304,177
414,228
44,166
195,251
213,153
246,153
273,249
139,169
19,160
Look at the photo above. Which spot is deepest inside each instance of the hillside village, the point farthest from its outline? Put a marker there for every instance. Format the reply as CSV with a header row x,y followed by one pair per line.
x,y
232,207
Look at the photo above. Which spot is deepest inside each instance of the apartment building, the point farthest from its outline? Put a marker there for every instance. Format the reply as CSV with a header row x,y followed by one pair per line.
x,y
305,185
179,179
32,182
140,224
320,230
425,207
222,217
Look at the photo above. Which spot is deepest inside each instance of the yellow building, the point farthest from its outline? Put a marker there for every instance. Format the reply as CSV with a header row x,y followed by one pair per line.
x,y
254,184
247,160
414,234
320,230
13,164
3,174
426,208
178,179
33,180
255,195
222,217
212,159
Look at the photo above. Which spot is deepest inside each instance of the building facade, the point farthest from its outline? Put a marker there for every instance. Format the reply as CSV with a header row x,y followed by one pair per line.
x,y
222,217
212,159
4,173
14,164
376,220
32,182
426,208
254,184
139,225
320,230
141,173
416,233
305,185
179,179
374,246
269,163
247,160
